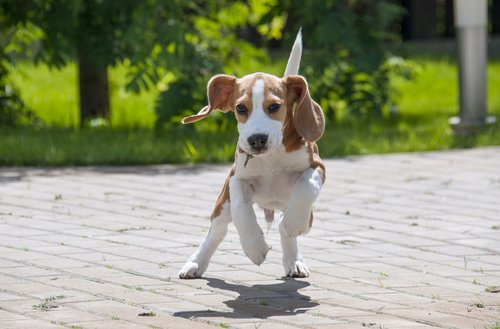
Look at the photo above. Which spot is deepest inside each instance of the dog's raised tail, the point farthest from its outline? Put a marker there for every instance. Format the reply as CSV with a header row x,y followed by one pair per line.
x,y
292,67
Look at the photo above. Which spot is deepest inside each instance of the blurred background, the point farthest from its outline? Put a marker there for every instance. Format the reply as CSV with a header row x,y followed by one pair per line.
x,y
95,82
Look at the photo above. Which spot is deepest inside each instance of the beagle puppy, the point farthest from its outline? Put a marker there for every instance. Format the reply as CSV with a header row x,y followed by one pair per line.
x,y
277,165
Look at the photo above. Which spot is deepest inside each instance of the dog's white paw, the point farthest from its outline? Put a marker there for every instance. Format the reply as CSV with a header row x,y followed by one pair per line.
x,y
191,270
256,249
296,269
296,224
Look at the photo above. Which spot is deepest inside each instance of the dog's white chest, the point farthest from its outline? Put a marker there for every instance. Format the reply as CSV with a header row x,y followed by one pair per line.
x,y
273,192
272,177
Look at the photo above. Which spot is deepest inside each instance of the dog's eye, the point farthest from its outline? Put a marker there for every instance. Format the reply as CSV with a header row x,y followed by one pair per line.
x,y
241,109
274,107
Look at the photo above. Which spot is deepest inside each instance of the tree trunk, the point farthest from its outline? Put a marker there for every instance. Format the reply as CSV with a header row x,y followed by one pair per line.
x,y
495,17
449,26
421,19
94,91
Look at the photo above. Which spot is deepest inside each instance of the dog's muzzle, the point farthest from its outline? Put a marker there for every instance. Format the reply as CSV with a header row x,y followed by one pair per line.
x,y
258,142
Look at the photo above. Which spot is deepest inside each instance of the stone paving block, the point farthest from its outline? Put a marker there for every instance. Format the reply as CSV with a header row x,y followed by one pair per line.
x,y
303,319
20,306
461,309
388,321
155,321
466,322
78,242
435,292
9,316
482,279
95,271
141,296
63,315
184,309
23,254
58,249
335,311
440,318
72,296
400,298
33,289
129,264
31,323
92,257
58,263
108,324
133,280
10,296
259,324
109,309
9,279
4,263
348,326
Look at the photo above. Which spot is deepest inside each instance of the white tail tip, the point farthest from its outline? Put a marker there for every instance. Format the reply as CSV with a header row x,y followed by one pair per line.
x,y
293,65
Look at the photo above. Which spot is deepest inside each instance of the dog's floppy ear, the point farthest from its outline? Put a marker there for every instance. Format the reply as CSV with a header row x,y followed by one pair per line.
x,y
220,93
308,118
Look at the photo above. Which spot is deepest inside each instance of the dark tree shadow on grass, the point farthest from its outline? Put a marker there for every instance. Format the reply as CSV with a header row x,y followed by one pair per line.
x,y
260,300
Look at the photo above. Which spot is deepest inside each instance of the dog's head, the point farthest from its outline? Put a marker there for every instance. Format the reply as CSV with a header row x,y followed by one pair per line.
x,y
269,110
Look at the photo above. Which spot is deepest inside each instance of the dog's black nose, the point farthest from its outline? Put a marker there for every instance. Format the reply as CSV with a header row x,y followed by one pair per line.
x,y
258,141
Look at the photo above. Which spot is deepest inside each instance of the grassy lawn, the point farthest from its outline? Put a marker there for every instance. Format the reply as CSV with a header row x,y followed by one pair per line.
x,y
53,95
424,106
59,146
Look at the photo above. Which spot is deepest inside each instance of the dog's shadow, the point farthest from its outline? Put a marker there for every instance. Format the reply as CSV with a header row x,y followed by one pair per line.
x,y
259,301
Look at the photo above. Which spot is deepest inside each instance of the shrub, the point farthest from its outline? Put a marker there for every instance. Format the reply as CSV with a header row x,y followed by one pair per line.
x,y
349,61
13,111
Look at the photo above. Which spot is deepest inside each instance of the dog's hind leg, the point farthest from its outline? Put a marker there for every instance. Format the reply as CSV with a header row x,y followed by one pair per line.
x,y
198,262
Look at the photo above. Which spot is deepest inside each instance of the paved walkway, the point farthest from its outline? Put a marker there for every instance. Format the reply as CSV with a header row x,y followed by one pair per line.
x,y
399,241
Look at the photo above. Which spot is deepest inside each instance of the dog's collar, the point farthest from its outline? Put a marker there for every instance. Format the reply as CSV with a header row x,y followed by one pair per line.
x,y
249,156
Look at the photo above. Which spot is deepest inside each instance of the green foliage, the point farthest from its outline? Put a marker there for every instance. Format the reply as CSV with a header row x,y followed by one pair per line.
x,y
349,63
103,29
425,104
158,40
13,111
350,94
175,46
171,45
12,108
211,46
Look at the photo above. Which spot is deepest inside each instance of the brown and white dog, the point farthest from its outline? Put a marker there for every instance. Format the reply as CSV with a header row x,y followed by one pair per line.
x,y
276,166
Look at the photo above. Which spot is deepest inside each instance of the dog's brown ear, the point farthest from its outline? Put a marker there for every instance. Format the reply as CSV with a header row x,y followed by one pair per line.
x,y
220,91
308,118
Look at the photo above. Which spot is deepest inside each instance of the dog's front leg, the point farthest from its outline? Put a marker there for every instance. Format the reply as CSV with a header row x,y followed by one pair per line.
x,y
292,259
297,215
198,262
245,221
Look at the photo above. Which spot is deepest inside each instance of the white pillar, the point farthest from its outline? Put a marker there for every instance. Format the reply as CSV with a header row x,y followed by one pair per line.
x,y
470,22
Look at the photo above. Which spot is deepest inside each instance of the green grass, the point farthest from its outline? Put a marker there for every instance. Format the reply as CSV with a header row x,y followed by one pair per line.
x,y
64,146
53,95
424,107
